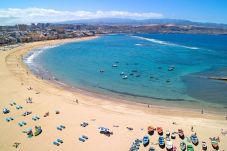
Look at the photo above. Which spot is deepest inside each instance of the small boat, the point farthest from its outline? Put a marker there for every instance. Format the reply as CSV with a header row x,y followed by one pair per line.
x,y
169,145
122,73
171,68
125,77
194,139
167,133
114,65
168,81
204,146
138,75
173,135
182,146
190,147
181,133
134,71
5,111
151,149
174,148
214,143
150,130
160,130
161,141
38,130
101,71
146,140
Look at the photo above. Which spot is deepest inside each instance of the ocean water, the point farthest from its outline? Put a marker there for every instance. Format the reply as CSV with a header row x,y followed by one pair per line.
x,y
146,60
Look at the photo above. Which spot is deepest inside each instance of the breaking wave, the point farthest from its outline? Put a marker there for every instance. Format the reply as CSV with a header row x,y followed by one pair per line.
x,y
164,42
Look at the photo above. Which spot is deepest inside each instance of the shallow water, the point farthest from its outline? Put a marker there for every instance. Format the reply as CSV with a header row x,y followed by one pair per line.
x,y
145,60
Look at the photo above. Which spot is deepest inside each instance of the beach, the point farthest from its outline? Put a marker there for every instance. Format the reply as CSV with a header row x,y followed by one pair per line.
x,y
18,83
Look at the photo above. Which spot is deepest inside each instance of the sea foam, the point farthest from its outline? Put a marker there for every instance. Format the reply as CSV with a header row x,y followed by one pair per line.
x,y
164,42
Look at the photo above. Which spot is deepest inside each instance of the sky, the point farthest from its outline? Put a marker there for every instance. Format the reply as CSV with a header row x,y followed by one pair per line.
x,y
28,11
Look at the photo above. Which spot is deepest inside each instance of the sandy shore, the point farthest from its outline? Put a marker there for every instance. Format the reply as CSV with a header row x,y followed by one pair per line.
x,y
97,111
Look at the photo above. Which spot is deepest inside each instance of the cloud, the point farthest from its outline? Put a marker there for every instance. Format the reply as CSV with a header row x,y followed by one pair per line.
x,y
30,15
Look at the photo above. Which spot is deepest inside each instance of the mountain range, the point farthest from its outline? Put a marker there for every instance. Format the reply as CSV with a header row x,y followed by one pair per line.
x,y
133,22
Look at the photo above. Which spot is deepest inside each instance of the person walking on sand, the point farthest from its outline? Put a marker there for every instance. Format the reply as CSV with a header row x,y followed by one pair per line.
x,y
192,129
77,101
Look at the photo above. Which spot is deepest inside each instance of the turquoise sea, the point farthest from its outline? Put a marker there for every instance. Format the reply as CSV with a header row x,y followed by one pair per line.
x,y
173,67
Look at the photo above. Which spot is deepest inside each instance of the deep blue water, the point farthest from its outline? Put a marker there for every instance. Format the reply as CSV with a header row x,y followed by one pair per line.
x,y
194,57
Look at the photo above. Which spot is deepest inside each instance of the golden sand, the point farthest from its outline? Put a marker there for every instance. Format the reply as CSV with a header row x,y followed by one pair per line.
x,y
97,111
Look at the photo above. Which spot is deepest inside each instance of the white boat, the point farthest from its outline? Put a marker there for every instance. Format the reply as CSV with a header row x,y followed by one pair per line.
x,y
114,65
125,77
122,73
169,145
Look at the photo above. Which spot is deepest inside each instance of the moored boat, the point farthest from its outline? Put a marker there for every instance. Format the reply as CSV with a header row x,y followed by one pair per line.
x,y
160,130
194,139
181,133
182,146
146,140
190,147
161,141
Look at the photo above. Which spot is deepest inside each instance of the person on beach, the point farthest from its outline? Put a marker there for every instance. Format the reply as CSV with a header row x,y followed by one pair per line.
x,y
202,111
192,129
77,101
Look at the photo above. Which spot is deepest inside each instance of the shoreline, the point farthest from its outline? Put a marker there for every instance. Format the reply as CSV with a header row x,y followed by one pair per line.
x,y
16,78
181,104
133,101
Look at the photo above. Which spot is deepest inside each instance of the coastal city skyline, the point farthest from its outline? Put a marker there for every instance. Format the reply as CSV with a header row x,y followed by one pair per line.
x,y
26,12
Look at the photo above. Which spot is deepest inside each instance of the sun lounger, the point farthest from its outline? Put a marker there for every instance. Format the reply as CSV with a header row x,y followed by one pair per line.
x,y
56,143
7,119
129,128
59,140
20,124
85,137
46,114
59,128
18,107
62,126
84,124
81,139
26,113
34,118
